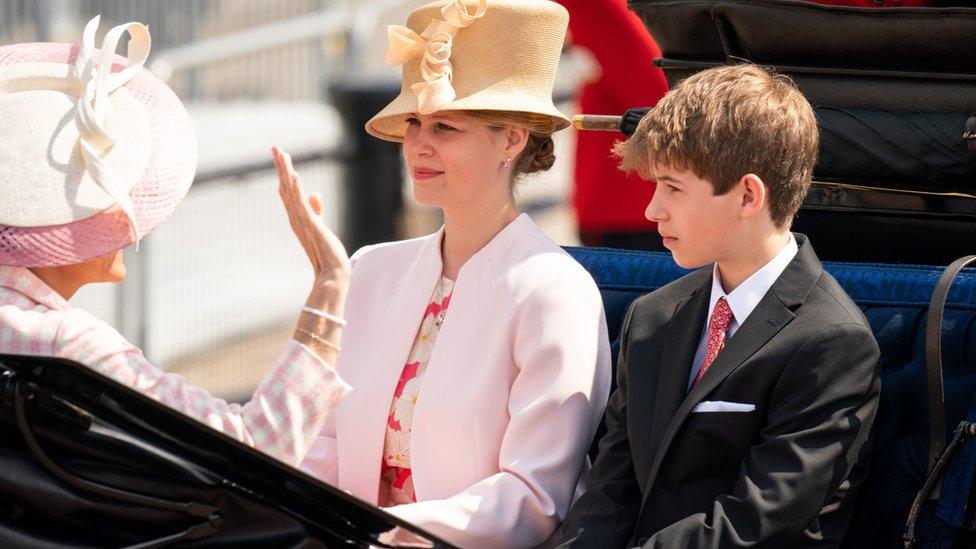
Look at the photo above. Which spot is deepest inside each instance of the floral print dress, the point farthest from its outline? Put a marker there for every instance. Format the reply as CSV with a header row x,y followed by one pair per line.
x,y
396,482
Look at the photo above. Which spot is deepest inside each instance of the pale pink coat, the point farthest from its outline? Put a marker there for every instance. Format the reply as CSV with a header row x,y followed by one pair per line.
x,y
514,390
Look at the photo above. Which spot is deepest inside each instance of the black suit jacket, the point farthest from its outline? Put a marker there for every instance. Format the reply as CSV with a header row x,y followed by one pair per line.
x,y
782,475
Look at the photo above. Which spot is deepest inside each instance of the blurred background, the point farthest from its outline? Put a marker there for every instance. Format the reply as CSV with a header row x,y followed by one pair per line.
x,y
214,292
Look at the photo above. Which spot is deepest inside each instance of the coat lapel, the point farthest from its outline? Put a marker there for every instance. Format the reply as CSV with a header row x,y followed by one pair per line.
x,y
771,315
377,354
677,355
384,347
446,387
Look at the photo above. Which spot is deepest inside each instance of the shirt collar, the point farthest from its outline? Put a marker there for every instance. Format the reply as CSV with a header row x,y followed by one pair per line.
x,y
23,281
746,296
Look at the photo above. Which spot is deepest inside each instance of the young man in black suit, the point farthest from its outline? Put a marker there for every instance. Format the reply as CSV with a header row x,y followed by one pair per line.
x,y
746,389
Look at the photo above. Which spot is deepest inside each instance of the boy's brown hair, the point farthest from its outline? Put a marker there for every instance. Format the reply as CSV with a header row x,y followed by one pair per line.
x,y
726,122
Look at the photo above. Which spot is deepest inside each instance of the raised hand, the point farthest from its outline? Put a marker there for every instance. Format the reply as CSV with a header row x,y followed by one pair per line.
x,y
317,327
323,248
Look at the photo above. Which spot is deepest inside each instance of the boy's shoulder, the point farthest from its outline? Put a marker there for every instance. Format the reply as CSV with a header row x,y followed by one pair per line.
x,y
828,303
664,299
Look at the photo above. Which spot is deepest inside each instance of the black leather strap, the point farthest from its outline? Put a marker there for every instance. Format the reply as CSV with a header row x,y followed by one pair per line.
x,y
933,359
963,431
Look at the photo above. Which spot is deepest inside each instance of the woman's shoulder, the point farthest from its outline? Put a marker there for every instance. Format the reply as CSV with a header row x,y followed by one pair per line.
x,y
385,251
537,255
537,267
55,331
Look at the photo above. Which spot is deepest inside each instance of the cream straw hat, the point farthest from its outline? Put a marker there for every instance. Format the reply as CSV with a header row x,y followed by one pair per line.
x,y
91,159
475,55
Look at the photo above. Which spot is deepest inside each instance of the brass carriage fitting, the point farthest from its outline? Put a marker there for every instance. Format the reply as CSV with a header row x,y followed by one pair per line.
x,y
626,124
596,122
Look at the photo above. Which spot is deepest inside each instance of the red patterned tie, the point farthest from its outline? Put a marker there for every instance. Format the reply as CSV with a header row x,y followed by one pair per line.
x,y
717,326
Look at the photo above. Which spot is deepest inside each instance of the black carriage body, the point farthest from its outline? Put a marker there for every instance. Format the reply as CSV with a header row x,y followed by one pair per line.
x,y
894,91
88,462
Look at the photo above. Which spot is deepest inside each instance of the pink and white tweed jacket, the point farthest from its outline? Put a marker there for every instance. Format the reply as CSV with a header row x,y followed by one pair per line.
x,y
285,414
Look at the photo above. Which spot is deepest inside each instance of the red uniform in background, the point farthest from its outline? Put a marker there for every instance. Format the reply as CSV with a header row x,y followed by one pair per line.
x,y
609,203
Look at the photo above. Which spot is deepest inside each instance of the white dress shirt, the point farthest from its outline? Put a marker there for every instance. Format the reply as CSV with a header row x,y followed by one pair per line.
x,y
743,299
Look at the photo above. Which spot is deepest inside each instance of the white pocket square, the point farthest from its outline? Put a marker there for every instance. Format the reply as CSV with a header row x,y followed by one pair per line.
x,y
722,406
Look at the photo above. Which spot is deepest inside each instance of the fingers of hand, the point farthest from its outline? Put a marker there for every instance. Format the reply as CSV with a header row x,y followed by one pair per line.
x,y
315,201
284,168
290,200
306,219
307,201
283,185
303,210
294,182
279,166
288,166
289,183
302,197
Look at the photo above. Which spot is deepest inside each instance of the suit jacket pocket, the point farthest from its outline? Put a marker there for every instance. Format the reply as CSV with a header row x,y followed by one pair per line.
x,y
709,448
721,417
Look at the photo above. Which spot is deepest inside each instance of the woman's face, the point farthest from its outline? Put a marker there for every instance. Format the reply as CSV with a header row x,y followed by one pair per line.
x,y
107,268
66,279
455,159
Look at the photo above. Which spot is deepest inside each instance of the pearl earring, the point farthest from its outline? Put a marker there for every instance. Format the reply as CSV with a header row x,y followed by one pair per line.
x,y
508,163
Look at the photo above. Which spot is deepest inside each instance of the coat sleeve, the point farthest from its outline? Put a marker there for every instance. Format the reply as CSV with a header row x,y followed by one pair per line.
x,y
820,414
562,353
282,418
322,459
605,514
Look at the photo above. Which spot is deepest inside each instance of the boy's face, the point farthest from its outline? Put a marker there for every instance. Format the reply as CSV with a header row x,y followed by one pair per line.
x,y
698,227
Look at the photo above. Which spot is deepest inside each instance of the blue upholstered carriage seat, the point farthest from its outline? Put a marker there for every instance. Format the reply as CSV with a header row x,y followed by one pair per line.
x,y
895,300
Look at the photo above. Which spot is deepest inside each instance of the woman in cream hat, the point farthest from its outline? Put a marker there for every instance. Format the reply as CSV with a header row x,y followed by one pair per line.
x,y
478,355
92,159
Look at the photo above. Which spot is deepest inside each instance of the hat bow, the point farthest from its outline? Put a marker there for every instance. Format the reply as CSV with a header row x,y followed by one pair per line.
x,y
433,47
94,114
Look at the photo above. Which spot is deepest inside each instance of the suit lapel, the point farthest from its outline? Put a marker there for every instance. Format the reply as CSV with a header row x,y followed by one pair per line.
x,y
766,320
677,355
771,315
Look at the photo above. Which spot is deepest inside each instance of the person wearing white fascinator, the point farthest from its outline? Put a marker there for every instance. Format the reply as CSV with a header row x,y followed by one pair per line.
x,y
478,355
96,153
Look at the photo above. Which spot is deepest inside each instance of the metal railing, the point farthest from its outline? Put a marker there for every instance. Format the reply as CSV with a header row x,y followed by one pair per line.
x,y
213,292
290,67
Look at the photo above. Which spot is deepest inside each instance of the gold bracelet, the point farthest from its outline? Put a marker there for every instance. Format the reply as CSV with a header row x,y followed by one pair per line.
x,y
325,342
